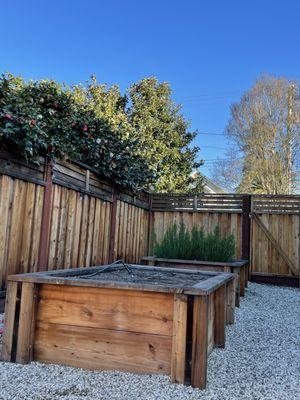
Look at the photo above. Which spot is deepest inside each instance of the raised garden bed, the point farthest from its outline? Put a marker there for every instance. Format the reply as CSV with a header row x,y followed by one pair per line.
x,y
130,318
240,268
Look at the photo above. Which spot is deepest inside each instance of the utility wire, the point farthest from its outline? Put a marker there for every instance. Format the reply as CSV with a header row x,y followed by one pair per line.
x,y
211,133
208,96
213,147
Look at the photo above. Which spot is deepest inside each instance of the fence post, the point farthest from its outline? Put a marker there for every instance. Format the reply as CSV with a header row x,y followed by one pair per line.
x,y
113,220
150,226
46,215
195,202
246,227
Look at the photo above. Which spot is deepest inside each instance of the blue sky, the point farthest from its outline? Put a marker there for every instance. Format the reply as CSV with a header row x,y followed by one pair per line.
x,y
209,51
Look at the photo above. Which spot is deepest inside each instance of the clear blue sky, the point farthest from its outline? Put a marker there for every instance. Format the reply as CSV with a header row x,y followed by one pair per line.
x,y
209,51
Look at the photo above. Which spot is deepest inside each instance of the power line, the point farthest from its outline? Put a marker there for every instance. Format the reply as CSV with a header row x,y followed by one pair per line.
x,y
209,96
211,133
212,147
221,159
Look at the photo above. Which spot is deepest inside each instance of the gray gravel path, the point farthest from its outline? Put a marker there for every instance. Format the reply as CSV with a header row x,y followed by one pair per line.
x,y
261,361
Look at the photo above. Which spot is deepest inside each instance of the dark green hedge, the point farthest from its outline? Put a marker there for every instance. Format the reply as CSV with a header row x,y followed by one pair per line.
x,y
179,243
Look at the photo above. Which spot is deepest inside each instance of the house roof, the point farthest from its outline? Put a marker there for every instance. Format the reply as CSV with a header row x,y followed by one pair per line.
x,y
209,185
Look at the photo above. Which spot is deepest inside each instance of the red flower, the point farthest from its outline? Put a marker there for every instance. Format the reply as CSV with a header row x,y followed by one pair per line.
x,y
85,127
90,136
32,122
49,150
8,116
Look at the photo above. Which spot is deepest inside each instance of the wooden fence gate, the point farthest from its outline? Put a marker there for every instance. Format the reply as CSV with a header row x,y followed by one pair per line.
x,y
275,235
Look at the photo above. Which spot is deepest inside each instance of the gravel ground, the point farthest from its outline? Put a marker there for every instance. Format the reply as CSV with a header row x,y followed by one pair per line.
x,y
261,361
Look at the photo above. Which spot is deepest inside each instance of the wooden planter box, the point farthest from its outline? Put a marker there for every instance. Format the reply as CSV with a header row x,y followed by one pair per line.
x,y
143,321
240,268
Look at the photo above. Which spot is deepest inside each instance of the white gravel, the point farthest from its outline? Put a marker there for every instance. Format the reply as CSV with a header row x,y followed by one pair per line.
x,y
261,361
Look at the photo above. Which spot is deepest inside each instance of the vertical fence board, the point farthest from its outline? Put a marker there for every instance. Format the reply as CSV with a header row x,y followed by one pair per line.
x,y
76,233
228,222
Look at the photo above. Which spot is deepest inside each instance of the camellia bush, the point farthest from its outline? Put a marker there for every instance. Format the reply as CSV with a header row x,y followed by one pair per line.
x,y
179,243
139,140
44,118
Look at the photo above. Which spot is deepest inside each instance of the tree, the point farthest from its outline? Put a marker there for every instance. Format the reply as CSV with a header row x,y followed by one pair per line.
x,y
165,141
140,140
49,119
265,127
227,173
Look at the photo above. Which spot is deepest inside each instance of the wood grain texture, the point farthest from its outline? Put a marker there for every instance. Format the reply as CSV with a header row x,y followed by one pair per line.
x,y
80,219
107,308
9,321
131,238
230,223
27,318
220,316
275,244
200,341
96,348
20,222
230,301
179,339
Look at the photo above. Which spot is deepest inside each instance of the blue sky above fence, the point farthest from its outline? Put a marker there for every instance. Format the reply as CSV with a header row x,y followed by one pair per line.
x,y
210,52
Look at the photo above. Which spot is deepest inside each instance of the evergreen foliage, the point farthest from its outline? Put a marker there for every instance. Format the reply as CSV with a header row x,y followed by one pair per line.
x,y
139,140
179,243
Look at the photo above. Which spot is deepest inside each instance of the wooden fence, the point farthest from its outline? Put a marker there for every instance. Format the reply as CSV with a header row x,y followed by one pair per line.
x,y
206,211
266,227
64,215
275,230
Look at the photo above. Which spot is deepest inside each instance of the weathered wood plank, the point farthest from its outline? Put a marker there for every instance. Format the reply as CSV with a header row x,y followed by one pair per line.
x,y
6,189
26,323
76,232
107,308
220,316
96,348
199,342
36,229
275,243
70,229
16,228
230,301
56,195
179,338
9,321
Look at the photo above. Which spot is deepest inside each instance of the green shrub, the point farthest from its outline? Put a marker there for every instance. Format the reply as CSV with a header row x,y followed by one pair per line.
x,y
45,118
139,139
179,243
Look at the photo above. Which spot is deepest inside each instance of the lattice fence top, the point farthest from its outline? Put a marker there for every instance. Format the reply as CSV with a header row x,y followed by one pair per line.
x,y
200,202
276,204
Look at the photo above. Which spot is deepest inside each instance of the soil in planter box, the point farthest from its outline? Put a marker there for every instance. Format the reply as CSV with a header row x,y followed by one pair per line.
x,y
142,276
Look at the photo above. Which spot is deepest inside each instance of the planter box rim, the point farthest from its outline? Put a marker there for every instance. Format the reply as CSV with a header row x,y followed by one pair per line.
x,y
233,263
68,277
